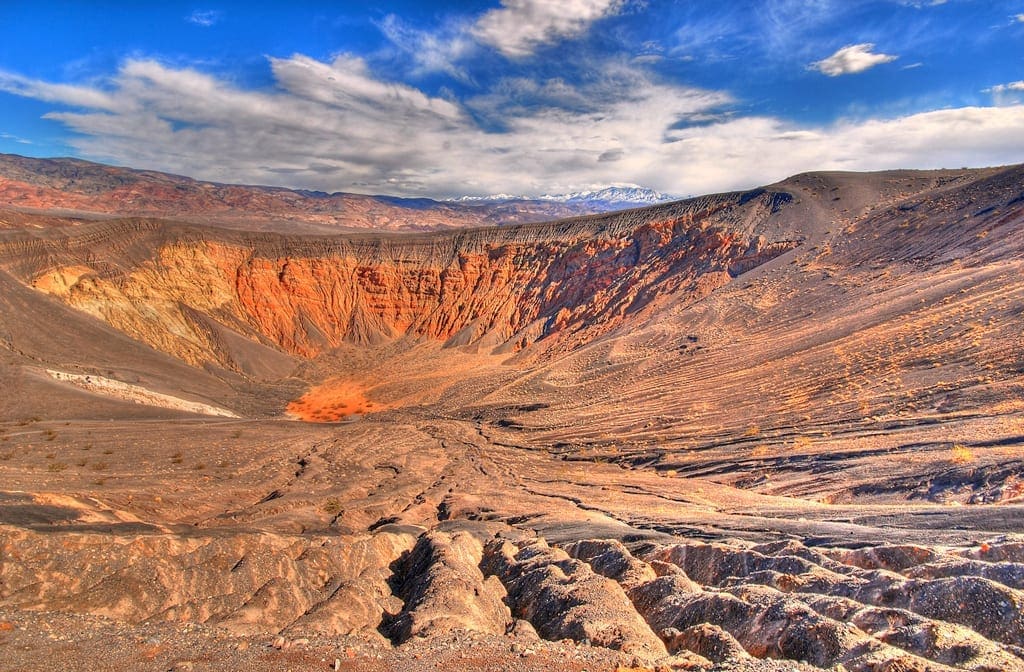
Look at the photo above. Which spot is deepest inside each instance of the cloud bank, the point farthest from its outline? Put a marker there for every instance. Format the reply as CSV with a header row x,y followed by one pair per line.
x,y
337,126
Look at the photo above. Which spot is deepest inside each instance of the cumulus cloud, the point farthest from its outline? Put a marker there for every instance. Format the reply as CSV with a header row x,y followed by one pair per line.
x,y
519,27
336,126
851,59
1020,18
205,17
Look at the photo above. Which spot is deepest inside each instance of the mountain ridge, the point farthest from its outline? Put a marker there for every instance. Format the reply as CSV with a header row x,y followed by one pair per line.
x,y
74,188
630,195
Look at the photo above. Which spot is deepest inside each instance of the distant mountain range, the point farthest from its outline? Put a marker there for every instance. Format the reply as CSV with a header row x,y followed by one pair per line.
x,y
71,190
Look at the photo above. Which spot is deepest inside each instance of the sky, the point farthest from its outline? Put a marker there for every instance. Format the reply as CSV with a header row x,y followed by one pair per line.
x,y
445,99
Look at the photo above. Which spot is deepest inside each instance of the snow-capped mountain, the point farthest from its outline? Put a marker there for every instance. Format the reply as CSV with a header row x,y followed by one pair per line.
x,y
493,198
620,195
608,198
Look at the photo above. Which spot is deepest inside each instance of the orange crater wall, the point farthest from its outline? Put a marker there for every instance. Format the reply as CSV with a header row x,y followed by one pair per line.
x,y
513,287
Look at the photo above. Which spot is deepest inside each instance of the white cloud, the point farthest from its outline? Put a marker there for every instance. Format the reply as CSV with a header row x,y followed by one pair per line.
x,y
336,126
728,155
519,27
1007,94
205,17
15,138
851,59
67,94
1003,88
430,51
1020,17
438,51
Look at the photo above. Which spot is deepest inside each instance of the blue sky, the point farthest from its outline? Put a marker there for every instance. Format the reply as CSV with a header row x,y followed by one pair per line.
x,y
515,96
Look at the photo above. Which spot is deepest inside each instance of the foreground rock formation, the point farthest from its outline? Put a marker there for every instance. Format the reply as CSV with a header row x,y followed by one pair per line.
x,y
777,429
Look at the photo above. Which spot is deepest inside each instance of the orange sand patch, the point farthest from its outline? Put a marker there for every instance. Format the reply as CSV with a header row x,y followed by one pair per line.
x,y
333,401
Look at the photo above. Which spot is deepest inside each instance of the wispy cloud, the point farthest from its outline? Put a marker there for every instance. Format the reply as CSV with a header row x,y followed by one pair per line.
x,y
67,94
519,27
338,126
772,34
431,51
205,17
15,138
851,59
1000,88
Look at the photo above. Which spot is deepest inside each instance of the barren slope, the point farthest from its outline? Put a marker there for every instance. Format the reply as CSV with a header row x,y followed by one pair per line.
x,y
777,424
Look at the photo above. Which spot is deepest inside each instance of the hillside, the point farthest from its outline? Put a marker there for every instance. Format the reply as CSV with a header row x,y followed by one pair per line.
x,y
70,191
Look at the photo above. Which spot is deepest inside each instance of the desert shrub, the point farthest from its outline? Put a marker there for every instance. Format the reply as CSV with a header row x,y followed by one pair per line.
x,y
961,454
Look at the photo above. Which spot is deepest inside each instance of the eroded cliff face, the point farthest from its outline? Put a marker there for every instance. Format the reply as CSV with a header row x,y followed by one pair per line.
x,y
184,291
